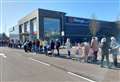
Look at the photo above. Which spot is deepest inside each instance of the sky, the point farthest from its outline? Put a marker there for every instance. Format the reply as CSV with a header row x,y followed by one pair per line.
x,y
13,10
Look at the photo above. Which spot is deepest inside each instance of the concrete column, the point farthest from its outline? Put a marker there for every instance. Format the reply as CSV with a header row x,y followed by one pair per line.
x,y
31,29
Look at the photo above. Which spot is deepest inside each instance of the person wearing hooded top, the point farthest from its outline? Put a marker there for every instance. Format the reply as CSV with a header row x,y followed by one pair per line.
x,y
114,50
104,51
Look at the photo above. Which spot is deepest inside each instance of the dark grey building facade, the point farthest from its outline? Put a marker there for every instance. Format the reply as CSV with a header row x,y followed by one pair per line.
x,y
78,29
47,24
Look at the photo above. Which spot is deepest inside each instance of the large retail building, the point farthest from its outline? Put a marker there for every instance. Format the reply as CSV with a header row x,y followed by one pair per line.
x,y
48,24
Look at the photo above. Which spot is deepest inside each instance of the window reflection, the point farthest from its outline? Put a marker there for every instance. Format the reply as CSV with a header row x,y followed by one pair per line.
x,y
35,30
34,25
28,27
51,28
22,27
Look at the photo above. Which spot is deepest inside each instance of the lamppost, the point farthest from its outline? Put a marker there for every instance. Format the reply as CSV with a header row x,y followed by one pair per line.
x,y
63,34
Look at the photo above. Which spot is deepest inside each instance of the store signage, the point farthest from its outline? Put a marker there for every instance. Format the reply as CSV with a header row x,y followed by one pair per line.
x,y
78,20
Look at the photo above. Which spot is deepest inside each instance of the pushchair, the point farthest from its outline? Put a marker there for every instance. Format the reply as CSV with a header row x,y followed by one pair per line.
x,y
49,52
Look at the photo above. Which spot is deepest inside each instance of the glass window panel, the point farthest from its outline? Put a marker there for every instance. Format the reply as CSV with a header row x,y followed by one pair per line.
x,y
52,27
22,28
28,27
34,25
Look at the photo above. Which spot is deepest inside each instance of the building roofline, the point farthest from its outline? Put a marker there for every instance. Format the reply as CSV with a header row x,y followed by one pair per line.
x,y
35,10
91,18
51,10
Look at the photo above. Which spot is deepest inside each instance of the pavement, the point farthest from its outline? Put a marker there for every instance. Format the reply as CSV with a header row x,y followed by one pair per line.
x,y
18,66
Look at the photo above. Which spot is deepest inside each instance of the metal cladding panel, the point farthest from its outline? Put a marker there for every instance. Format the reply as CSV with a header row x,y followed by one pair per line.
x,y
28,17
79,28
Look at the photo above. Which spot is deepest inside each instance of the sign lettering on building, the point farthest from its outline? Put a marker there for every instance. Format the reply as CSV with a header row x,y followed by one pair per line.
x,y
77,20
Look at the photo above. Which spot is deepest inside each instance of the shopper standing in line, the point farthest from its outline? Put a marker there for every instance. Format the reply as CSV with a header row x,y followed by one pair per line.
x,y
57,47
68,47
105,51
114,50
52,47
94,46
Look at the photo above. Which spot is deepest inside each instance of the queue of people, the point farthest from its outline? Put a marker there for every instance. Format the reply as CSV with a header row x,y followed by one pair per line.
x,y
14,43
89,52
85,52
39,46
3,43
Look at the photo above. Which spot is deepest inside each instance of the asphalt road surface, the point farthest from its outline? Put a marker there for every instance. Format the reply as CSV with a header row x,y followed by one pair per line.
x,y
18,66
15,66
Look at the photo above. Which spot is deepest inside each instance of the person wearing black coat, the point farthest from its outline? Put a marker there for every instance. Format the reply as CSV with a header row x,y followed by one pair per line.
x,y
30,46
57,47
52,47
37,44
26,46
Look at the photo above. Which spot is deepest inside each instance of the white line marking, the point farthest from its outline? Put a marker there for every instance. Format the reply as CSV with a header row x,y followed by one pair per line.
x,y
81,77
3,55
40,62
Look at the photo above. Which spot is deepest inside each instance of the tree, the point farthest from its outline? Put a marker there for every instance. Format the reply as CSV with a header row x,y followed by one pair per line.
x,y
4,36
94,26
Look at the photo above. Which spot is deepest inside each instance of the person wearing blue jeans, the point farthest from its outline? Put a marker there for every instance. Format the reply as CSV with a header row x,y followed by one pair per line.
x,y
37,46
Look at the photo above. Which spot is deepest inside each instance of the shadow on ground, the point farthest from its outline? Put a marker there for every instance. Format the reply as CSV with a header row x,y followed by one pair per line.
x,y
64,56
